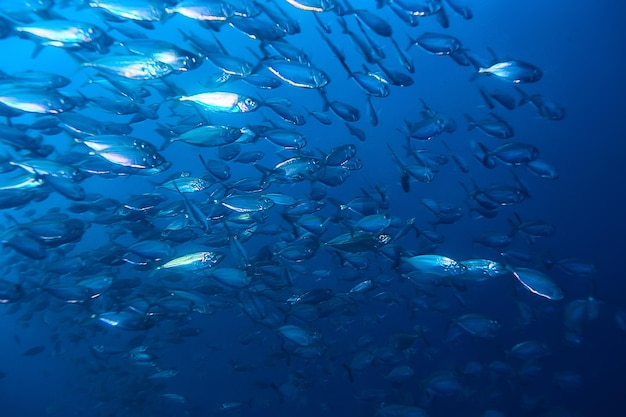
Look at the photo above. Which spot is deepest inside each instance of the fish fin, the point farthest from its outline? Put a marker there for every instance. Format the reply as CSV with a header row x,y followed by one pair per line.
x,y
514,227
486,98
343,24
498,118
186,36
11,218
144,24
38,48
348,372
485,157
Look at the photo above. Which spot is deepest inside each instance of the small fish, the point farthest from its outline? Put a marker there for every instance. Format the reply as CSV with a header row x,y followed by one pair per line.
x,y
297,74
133,67
547,108
318,6
496,127
35,100
36,350
437,43
223,102
165,374
193,261
514,71
538,283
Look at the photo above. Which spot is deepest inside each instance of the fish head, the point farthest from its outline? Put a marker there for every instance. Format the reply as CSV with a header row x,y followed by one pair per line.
x,y
191,62
383,238
212,258
320,79
247,104
536,75
265,203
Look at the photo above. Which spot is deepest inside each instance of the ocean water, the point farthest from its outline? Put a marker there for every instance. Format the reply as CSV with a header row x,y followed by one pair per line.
x,y
420,339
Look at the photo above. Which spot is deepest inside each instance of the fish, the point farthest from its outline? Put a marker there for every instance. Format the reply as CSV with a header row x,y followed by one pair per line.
x,y
193,261
496,127
436,43
298,335
510,153
201,11
317,6
143,12
65,34
538,283
133,67
206,136
178,59
222,101
514,71
35,350
35,100
546,107
478,325
297,74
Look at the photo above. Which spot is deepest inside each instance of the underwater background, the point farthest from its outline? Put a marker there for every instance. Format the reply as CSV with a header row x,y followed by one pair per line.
x,y
360,267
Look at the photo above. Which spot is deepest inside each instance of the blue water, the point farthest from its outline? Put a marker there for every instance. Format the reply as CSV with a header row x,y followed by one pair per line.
x,y
240,367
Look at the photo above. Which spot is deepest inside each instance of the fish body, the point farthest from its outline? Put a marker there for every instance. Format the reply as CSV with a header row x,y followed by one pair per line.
x,y
202,10
35,100
143,12
193,261
223,102
180,60
66,34
318,6
297,74
513,71
133,67
437,43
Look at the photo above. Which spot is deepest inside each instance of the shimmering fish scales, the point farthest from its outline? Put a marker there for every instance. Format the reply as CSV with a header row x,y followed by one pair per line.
x,y
223,102
134,67
193,261
35,100
436,265
318,6
202,10
513,71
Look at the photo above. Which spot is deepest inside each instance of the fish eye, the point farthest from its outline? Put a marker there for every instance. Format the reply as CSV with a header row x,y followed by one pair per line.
x,y
249,102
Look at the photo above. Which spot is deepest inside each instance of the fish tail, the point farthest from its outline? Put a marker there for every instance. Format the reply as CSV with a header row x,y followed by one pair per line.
x,y
514,227
485,157
166,135
343,24
525,97
412,42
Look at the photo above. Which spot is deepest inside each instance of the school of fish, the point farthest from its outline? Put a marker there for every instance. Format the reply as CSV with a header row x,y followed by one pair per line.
x,y
198,175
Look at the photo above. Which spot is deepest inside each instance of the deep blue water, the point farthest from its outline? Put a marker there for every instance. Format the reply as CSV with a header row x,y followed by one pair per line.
x,y
225,358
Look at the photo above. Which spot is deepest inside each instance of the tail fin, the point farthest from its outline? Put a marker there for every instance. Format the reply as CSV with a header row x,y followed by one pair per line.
x,y
472,122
